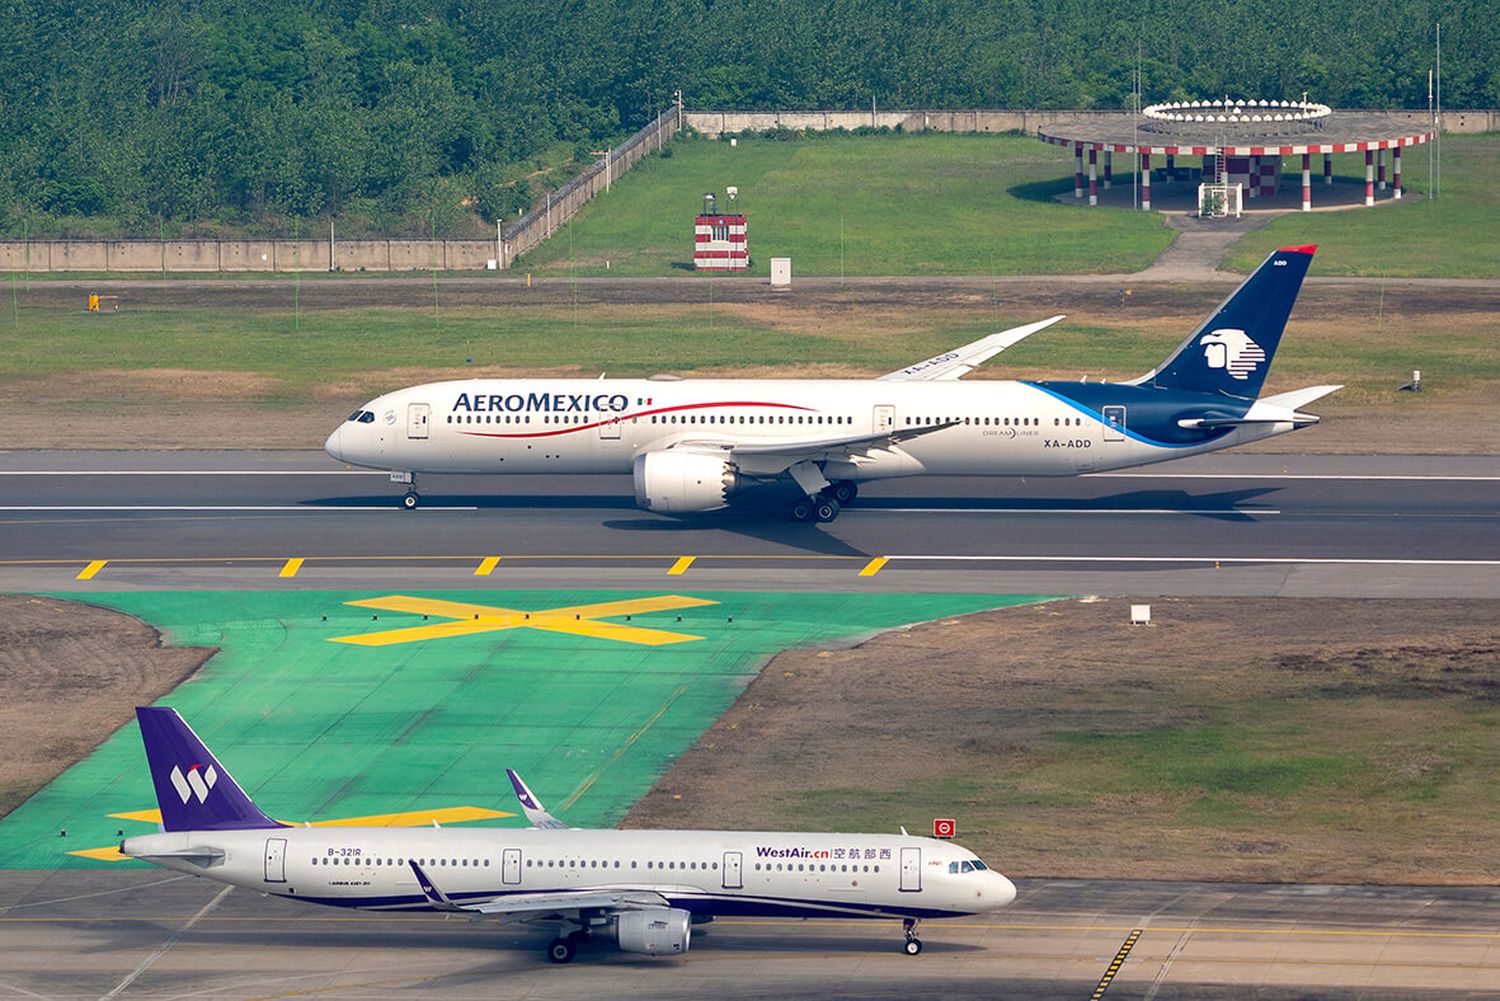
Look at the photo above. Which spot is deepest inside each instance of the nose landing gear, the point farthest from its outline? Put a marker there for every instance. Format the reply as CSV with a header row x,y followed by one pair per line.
x,y
913,946
412,498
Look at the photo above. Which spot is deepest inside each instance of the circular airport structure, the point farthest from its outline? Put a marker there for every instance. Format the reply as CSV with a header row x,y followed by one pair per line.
x,y
1238,146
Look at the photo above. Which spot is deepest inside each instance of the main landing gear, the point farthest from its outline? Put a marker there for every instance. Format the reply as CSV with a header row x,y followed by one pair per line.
x,y
563,948
913,946
825,505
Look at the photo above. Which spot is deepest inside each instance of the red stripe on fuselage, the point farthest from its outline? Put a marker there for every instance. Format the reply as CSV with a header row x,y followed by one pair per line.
x,y
625,417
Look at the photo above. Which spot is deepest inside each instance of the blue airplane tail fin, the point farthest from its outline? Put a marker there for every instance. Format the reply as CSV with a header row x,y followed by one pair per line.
x,y
1230,352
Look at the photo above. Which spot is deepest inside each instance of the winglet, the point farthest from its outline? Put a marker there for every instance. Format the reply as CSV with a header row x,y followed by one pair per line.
x,y
532,807
437,898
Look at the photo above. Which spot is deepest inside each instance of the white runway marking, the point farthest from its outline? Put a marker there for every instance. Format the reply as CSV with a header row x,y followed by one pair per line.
x,y
1288,476
223,507
1059,510
1350,561
161,950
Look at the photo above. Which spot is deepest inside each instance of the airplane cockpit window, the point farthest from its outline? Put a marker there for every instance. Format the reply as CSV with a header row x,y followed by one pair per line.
x,y
980,865
368,417
356,415
966,866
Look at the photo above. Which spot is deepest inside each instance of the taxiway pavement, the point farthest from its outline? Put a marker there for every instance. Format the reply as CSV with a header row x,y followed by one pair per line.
x,y
1245,524
147,933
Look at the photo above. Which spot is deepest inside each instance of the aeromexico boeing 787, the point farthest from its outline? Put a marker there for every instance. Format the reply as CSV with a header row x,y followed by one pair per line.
x,y
642,889
692,444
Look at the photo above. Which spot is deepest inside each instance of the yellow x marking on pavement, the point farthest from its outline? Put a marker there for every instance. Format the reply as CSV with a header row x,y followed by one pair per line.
x,y
580,620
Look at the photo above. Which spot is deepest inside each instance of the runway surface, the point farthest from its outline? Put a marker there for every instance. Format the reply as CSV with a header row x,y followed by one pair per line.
x,y
1227,524
140,933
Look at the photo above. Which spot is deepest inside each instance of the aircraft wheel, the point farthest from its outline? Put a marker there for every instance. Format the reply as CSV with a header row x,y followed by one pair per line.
x,y
560,950
913,947
411,500
826,509
801,510
844,491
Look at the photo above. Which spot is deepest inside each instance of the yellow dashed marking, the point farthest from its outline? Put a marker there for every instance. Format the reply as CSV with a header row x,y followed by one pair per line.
x,y
87,573
680,567
873,567
290,568
487,566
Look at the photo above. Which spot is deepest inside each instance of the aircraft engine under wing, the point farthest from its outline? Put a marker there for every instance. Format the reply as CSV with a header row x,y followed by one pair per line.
x,y
960,362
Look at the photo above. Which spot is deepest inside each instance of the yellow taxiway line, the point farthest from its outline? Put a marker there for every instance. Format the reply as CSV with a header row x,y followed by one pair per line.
x,y
290,567
87,573
680,567
874,566
487,566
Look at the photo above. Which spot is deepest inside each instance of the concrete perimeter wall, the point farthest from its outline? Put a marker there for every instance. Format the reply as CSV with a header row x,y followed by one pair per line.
x,y
716,123
199,256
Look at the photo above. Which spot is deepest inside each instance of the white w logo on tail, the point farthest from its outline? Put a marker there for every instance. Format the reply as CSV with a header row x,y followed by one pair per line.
x,y
197,782
1233,351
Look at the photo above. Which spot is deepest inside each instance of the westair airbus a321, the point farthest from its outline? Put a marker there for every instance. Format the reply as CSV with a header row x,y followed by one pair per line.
x,y
643,889
692,444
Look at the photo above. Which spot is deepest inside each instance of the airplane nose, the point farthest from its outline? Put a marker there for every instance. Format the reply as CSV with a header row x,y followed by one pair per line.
x,y
1005,891
334,445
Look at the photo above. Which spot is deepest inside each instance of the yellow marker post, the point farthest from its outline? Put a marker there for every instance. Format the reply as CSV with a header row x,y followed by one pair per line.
x,y
680,567
873,567
87,573
486,566
290,568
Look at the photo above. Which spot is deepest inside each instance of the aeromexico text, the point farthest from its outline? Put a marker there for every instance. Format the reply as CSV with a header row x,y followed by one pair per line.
x,y
763,851
556,403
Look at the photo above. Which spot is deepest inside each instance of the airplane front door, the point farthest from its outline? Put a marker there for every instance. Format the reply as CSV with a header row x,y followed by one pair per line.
x,y
276,860
1114,423
510,865
885,419
418,415
609,429
911,870
734,864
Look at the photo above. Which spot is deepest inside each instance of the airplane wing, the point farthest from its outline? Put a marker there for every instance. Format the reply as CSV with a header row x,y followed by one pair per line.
x,y
807,448
541,906
960,362
532,807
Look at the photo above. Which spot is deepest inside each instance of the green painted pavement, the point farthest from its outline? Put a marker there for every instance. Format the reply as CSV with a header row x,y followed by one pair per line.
x,y
316,730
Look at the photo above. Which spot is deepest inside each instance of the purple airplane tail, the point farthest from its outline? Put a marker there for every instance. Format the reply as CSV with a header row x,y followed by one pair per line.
x,y
194,791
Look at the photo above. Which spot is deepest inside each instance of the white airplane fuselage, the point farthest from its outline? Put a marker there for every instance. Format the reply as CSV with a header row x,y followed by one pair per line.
x,y
1003,428
710,873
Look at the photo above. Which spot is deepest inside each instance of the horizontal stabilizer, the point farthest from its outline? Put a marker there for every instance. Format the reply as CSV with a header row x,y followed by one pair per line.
x,y
1299,398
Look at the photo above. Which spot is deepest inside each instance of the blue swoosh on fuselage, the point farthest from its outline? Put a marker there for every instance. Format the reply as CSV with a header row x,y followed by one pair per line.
x,y
1151,414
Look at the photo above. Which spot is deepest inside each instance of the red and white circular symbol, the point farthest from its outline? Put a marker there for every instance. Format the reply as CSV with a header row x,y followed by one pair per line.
x,y
944,828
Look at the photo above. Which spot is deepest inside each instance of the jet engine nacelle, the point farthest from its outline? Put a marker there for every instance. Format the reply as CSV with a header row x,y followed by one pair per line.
x,y
658,931
676,482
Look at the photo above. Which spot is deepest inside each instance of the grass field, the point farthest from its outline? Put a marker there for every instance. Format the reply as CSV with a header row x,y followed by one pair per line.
x,y
858,205
1455,236
1257,740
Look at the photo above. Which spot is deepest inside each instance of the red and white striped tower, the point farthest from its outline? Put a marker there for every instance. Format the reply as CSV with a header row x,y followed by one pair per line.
x,y
1396,171
1171,166
1145,182
1369,177
1306,182
1252,189
1108,169
1077,170
1380,166
1093,175
1327,168
1270,169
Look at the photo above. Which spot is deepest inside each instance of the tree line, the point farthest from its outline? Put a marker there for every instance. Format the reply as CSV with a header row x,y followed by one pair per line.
x,y
134,117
